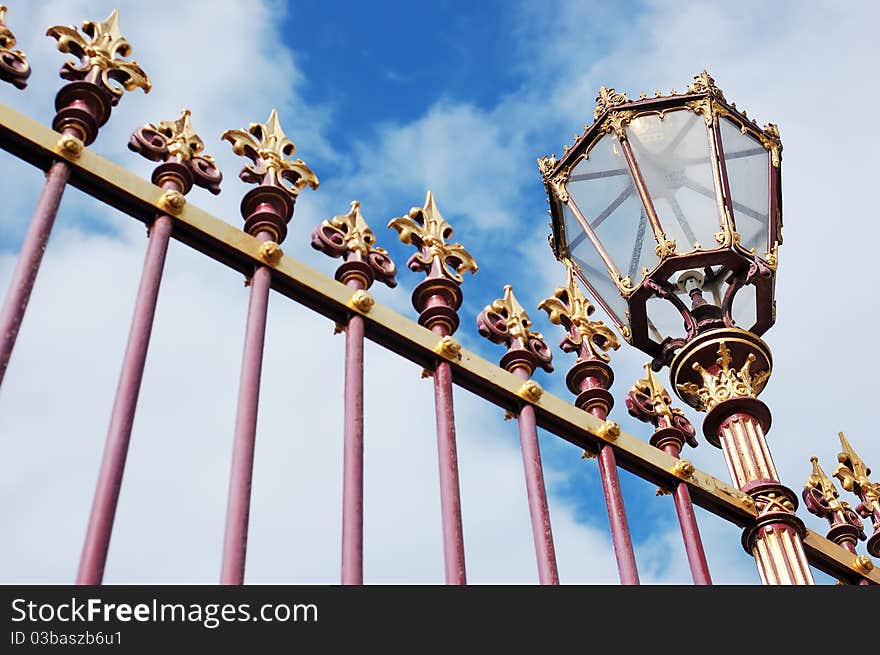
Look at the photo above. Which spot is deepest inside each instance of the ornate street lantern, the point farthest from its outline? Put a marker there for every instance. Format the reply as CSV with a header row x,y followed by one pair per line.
x,y
669,210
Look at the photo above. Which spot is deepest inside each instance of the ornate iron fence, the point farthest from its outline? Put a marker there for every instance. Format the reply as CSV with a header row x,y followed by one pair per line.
x,y
95,85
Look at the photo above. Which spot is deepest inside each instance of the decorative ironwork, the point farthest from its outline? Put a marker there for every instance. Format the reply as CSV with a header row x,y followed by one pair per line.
x,y
607,99
726,383
648,401
100,56
506,321
704,83
176,141
428,231
268,147
822,499
14,67
348,236
571,309
853,476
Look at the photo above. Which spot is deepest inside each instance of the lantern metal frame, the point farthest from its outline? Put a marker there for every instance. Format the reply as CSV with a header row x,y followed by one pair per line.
x,y
740,266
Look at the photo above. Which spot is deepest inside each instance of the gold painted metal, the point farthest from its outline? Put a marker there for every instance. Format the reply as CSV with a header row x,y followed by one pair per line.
x,y
863,564
271,252
726,383
853,475
617,121
268,147
518,323
69,146
609,430
425,225
531,391
661,401
183,142
7,38
448,347
357,235
106,180
819,481
173,201
607,99
569,306
683,468
704,83
362,300
102,48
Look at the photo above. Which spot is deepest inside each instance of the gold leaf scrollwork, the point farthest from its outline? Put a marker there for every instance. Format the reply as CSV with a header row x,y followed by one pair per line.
x,y
428,231
704,83
704,107
102,50
266,145
570,308
546,166
607,99
616,122
181,138
665,247
769,138
726,383
357,235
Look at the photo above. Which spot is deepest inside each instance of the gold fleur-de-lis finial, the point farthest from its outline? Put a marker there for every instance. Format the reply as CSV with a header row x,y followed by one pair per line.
x,y
14,67
517,321
266,145
823,485
851,471
428,231
101,53
570,308
7,38
182,140
651,387
357,236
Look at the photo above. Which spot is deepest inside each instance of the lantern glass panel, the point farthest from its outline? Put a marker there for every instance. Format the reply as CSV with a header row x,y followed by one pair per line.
x,y
747,163
602,187
672,154
584,254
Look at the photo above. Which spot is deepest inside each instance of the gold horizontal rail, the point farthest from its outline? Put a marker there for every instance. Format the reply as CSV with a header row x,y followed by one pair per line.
x,y
139,198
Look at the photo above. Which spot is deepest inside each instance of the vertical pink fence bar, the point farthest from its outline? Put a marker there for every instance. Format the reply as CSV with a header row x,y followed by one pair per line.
x,y
83,106
266,210
348,236
437,299
648,401
506,322
590,378
178,147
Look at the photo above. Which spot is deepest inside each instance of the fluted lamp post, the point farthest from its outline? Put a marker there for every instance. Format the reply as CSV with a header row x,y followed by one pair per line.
x,y
668,208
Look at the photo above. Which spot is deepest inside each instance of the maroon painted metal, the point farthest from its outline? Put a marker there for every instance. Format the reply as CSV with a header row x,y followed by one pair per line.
x,y
180,170
353,455
690,531
590,378
97,541
239,500
505,322
82,107
548,573
437,299
348,236
14,67
266,209
25,273
649,402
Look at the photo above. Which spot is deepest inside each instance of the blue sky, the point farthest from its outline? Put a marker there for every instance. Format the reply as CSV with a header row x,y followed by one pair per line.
x,y
385,102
